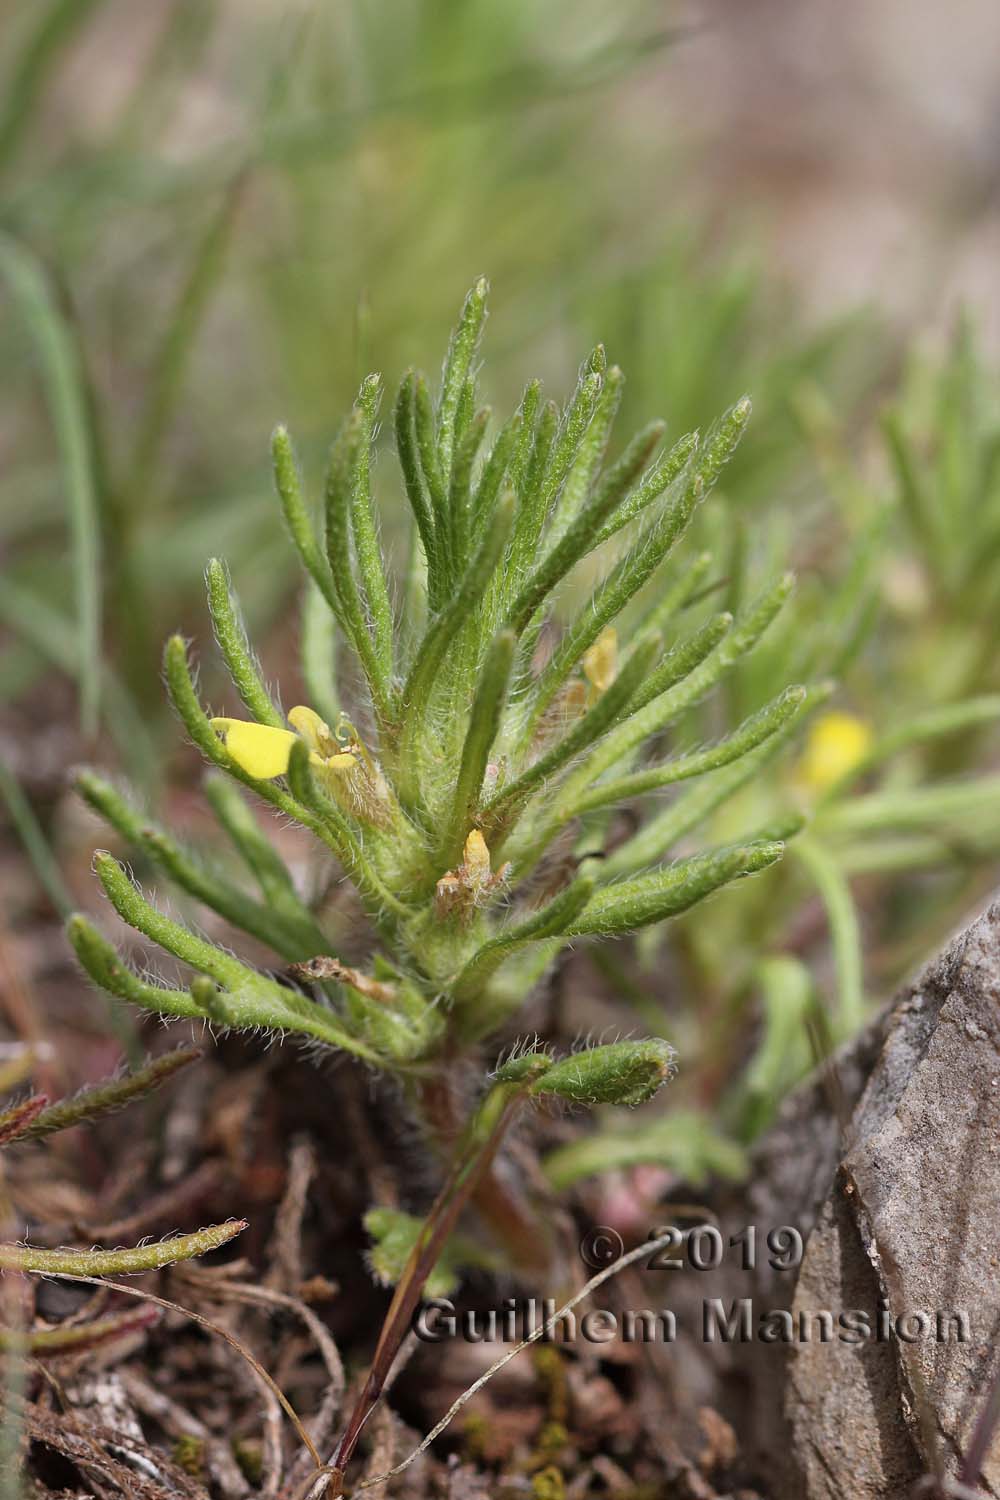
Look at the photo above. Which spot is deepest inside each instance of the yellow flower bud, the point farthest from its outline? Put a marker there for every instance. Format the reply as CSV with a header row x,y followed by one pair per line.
x,y
477,857
600,661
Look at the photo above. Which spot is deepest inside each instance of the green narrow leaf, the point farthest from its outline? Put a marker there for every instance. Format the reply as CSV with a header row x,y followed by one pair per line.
x,y
457,367
652,486
611,597
460,489
749,629
120,1262
529,475
659,835
918,503
496,468
552,920
366,543
751,733
415,483
298,520
259,854
207,957
440,635
505,805
108,971
657,705
235,647
625,1073
347,460
484,723
592,444
63,374
294,936
683,660
578,539
723,440
553,504
106,1098
631,904
529,408
423,417
248,1000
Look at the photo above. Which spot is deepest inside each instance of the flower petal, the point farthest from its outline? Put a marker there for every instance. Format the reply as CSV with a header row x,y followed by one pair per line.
x,y
316,733
261,751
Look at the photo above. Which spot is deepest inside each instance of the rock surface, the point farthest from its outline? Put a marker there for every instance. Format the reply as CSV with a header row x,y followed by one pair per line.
x,y
904,1209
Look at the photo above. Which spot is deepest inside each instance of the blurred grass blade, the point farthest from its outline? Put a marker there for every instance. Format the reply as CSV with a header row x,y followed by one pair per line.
x,y
35,843
52,635
685,1142
169,364
76,1338
65,385
319,654
845,932
26,77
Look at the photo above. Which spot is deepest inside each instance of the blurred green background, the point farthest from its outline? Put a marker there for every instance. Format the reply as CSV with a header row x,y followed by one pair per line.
x,y
217,214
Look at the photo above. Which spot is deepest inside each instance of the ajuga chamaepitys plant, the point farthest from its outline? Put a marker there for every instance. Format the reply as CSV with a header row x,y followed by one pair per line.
x,y
476,729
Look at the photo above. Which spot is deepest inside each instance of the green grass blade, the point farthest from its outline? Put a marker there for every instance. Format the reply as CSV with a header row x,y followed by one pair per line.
x,y
845,932
26,76
63,374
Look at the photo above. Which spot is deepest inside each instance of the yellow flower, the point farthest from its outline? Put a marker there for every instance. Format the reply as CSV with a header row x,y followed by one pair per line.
x,y
349,773
837,743
264,752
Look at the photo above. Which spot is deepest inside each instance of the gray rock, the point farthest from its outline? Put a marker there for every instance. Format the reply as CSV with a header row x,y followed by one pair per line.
x,y
908,1232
